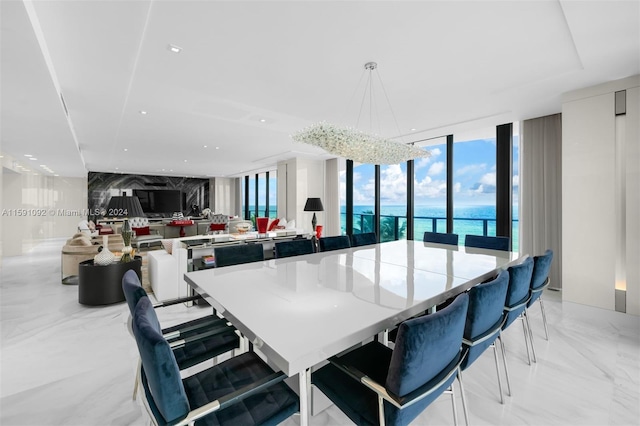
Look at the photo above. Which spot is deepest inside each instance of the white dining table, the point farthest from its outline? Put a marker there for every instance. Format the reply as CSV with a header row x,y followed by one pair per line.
x,y
300,311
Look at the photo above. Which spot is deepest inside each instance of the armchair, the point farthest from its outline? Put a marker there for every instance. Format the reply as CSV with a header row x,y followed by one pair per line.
x,y
143,233
374,384
192,342
219,222
242,390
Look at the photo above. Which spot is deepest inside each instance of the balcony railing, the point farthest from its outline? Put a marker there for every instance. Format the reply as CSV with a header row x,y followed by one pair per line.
x,y
394,227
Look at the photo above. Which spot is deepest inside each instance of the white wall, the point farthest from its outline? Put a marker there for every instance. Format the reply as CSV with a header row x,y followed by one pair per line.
x,y
303,179
223,195
592,196
37,207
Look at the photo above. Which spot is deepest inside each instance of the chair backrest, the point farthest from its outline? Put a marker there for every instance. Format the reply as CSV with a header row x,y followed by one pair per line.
x,y
293,248
364,239
334,243
161,379
132,289
219,222
235,255
492,243
440,238
425,346
138,222
541,268
540,275
485,313
518,291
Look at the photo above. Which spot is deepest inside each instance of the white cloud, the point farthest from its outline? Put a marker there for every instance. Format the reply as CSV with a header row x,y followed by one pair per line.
x,y
393,184
516,181
422,163
471,168
488,179
435,152
436,168
456,187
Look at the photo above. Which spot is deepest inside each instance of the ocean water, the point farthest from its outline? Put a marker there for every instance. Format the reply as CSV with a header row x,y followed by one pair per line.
x,y
476,220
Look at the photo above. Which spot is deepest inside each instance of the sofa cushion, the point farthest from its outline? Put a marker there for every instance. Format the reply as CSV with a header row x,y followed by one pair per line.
x,y
143,230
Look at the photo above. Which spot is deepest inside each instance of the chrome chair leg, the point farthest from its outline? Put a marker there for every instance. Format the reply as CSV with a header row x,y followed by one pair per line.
x,y
453,404
135,384
544,319
533,348
526,337
381,411
504,361
464,401
495,353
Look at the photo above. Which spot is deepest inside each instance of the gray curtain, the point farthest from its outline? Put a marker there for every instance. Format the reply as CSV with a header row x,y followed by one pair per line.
x,y
541,190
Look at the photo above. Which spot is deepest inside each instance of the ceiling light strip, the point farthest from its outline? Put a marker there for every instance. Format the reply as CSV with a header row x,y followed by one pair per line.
x,y
37,29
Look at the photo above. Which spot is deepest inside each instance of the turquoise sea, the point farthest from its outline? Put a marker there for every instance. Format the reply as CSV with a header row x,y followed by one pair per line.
x,y
477,220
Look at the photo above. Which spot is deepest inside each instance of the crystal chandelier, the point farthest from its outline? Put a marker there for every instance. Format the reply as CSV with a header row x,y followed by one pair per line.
x,y
357,145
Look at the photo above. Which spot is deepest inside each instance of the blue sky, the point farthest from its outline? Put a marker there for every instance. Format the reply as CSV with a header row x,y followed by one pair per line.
x,y
474,177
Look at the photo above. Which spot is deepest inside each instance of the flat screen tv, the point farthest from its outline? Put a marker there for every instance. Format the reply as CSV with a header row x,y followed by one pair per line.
x,y
159,201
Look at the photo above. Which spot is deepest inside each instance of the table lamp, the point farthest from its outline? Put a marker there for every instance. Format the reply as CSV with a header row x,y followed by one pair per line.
x,y
313,205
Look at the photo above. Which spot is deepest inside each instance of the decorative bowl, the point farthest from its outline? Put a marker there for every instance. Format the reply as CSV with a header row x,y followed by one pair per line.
x,y
243,228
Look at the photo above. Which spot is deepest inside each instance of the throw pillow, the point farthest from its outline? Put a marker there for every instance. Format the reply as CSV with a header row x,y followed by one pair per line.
x,y
143,230
272,225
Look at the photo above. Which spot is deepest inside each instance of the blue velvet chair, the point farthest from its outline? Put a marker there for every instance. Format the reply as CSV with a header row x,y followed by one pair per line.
x,y
485,318
492,243
194,341
294,248
365,239
441,238
243,390
374,384
235,255
517,299
334,243
540,281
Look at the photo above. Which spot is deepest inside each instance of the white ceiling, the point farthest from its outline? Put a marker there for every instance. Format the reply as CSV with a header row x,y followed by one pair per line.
x,y
447,66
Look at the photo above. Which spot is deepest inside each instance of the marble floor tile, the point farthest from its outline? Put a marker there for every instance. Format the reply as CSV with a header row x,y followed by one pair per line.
x,y
62,363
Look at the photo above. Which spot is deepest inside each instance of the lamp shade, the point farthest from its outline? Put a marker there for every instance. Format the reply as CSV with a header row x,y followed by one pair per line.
x,y
124,207
313,205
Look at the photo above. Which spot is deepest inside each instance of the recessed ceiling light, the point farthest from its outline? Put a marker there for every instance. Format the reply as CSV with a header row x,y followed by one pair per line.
x,y
204,146
143,112
173,48
56,175
185,161
28,155
33,158
262,120
413,130
217,147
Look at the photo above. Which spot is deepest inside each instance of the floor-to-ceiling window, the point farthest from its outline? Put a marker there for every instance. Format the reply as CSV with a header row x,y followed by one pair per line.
x,y
393,202
261,208
364,184
260,195
472,190
515,229
273,194
474,176
430,189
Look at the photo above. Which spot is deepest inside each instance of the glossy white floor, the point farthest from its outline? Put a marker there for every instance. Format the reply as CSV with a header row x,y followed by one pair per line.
x,y
66,364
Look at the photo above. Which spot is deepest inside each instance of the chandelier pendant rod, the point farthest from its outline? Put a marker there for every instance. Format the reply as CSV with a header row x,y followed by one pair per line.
x,y
393,114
